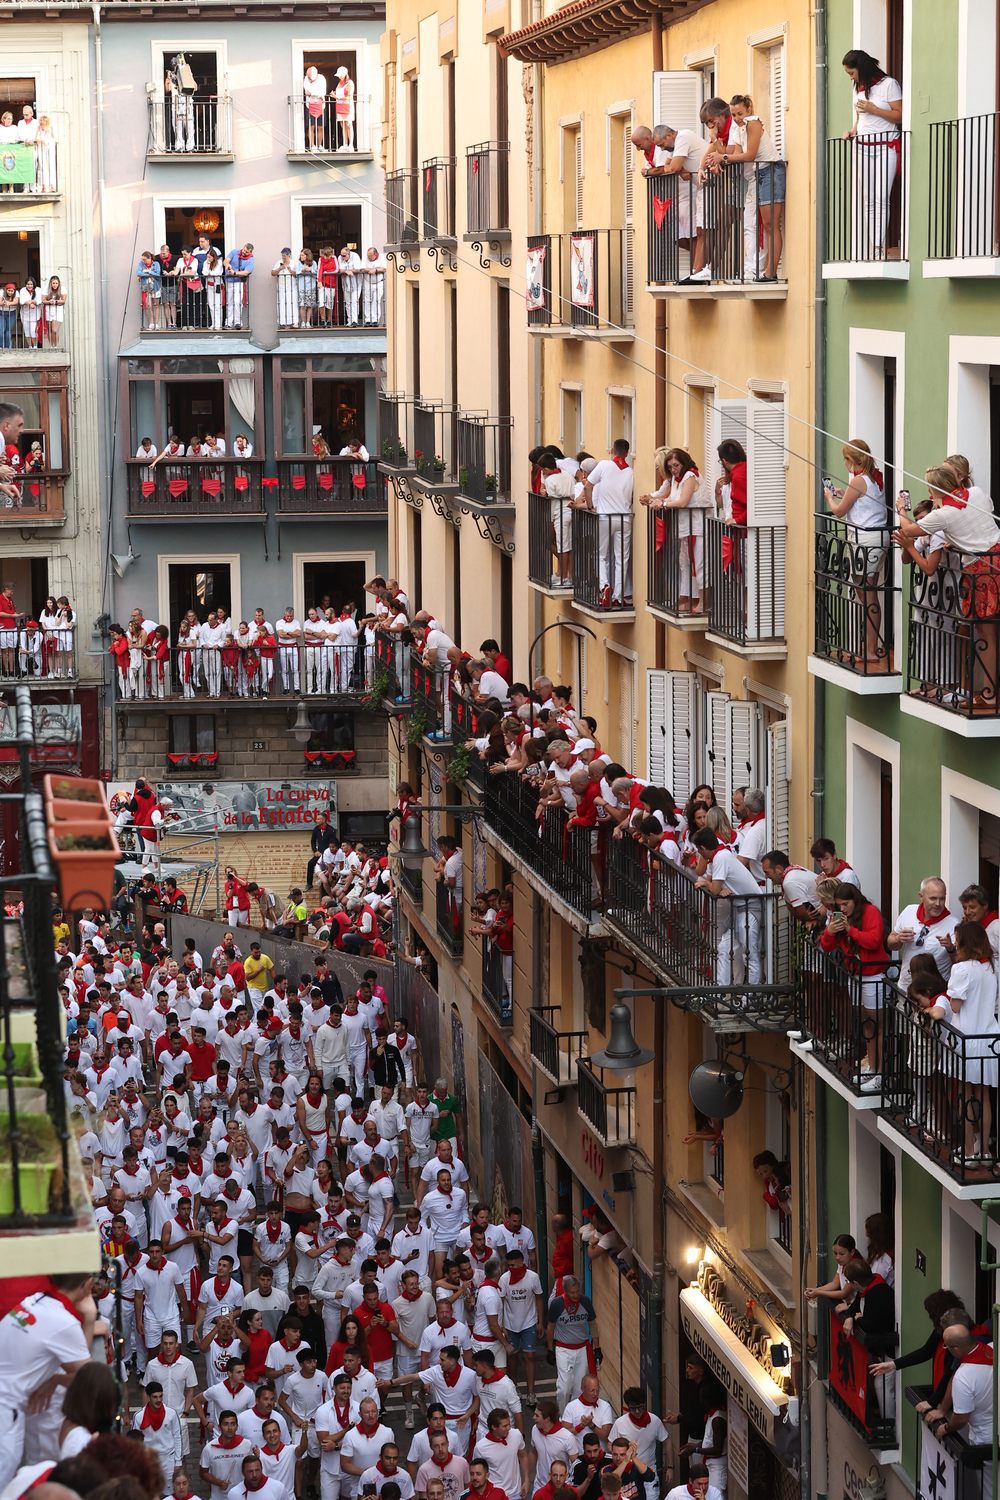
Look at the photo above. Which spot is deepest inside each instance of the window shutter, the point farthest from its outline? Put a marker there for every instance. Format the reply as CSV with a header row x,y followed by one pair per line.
x,y
765,559
626,714
627,237
741,746
776,92
765,447
578,175
715,747
677,99
671,700
711,467
730,420
778,772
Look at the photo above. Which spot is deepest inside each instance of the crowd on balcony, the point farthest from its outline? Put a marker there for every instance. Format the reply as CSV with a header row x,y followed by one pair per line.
x,y
31,315
35,648
34,132
308,288
202,287
324,133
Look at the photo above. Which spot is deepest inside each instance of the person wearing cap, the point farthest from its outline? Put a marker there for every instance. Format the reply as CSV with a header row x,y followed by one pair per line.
x,y
294,913
31,645
343,97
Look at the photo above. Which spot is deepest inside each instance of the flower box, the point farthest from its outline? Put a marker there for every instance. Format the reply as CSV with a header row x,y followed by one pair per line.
x,y
35,1178
86,873
82,791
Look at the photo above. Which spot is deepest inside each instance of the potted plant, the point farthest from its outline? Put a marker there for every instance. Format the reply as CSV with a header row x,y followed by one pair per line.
x,y
85,855
74,798
490,484
37,1159
439,464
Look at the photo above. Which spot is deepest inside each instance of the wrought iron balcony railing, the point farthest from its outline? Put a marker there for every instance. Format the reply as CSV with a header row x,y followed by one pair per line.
x,y
556,1052
181,125
867,198
582,280
487,201
740,218
608,1111
856,592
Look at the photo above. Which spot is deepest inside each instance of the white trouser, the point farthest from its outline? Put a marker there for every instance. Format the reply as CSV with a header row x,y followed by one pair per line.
x,y
41,1431
571,1366
235,296
374,297
216,298
345,661
128,1328
351,293
213,671
742,937
289,666
238,918
183,123
754,253
359,1064
418,1161
692,548
136,674
507,965
329,1485
11,1443
875,168
616,555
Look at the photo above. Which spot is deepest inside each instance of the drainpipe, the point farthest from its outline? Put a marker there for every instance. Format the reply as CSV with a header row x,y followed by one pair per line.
x,y
537,1153
660,304
819,385
805,1382
106,339
656,1296
536,199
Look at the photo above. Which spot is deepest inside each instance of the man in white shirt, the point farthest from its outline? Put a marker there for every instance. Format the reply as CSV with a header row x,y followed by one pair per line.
x,y
589,1413
421,1117
289,633
523,1315
305,1392
724,875
267,1299
413,1244
175,1373
919,929
41,1341
254,1483
415,1310
445,1209
361,1447
489,684
213,638
334,1419
487,1326
220,1464
798,886
502,1449
436,646
496,1392
607,490
160,1428
642,1427
753,834
158,1286
389,1117
684,151
453,1384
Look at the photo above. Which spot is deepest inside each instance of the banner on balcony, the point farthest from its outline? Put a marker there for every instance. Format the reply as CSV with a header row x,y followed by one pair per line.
x,y
211,486
937,1468
326,481
250,806
534,297
848,1368
148,486
270,483
241,482
581,249
17,164
177,486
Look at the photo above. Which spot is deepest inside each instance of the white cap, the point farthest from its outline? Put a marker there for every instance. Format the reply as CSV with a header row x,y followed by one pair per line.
x,y
25,1478
584,745
342,73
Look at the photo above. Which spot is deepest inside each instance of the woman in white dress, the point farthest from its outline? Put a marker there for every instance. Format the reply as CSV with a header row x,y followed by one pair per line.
x,y
53,309
283,271
45,156
972,992
685,490
878,115
764,171
862,505
215,288
30,298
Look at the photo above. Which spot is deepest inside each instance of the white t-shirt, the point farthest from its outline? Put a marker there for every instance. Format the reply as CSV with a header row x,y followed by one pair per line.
x,y
725,866
492,685
37,1337
799,888
753,847
970,531
224,1463
435,1338
440,644
505,1471
453,871
314,88
692,147
404,1243
972,1391
930,944
884,94
646,1438
578,1410
612,488
489,1303
445,1213
549,1446
519,1305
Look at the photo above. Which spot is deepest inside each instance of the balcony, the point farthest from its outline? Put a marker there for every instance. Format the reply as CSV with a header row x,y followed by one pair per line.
x,y
745,580
324,135
413,884
952,664
556,1053
41,502
35,176
487,200
338,486
352,299
497,988
963,231
558,855
550,544
42,658
391,678
395,431
608,1112
437,202
856,597
867,209
580,285
195,129
602,565
840,1036
429,694
697,939
668,560
212,303
972,1479
449,920
402,211
739,215
31,326
214,488
484,463
233,675
862,1404
929,1075
435,450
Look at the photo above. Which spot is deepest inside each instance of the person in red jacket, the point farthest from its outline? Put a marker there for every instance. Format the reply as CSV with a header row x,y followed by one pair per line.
x,y
144,799
856,930
237,899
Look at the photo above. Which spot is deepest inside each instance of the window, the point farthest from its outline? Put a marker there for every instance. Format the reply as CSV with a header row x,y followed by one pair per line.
x,y
331,225
179,229
571,167
20,258
42,396
186,398
571,423
621,415
203,588
332,732
328,391
192,734
769,87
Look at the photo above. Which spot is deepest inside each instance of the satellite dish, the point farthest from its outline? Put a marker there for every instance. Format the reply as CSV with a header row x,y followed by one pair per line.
x,y
716,1089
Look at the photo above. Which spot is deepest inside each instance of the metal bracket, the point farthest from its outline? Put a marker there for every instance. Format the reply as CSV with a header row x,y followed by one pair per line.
x,y
491,529
494,252
443,253
407,494
441,508
408,260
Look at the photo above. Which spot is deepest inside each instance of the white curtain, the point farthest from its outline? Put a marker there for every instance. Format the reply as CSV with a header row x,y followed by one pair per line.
x,y
242,396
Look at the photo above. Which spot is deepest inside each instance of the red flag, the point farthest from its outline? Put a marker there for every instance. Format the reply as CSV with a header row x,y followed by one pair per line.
x,y
326,481
427,184
475,165
148,486
269,484
241,481
177,486
727,553
35,489
211,486
660,206
298,481
358,481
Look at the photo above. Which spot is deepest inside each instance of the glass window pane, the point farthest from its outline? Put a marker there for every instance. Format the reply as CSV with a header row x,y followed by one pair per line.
x,y
140,367
294,364
204,733
55,453
180,734
293,416
336,364
143,404
29,403
190,366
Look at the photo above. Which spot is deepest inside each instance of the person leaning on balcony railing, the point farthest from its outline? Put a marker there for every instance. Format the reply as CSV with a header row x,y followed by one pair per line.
x,y
684,490
721,874
684,151
967,1410
960,467
856,930
869,1309
972,991
944,1308
864,508
921,927
764,172
973,532
798,886
878,114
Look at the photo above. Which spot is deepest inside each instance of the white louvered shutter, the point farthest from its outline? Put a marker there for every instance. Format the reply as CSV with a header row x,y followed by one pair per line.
x,y
656,726
776,94
672,711
626,714
765,445
779,772
715,747
711,467
741,745
677,99
627,236
765,581
730,419
578,175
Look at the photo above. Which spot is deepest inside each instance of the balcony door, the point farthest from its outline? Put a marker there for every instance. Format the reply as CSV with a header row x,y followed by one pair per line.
x,y
201,587
330,583
195,407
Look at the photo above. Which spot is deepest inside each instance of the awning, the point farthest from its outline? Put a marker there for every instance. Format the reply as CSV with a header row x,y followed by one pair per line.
x,y
731,1362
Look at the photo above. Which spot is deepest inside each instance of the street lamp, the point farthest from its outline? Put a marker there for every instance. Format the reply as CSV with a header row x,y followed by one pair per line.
x,y
302,728
623,1054
411,852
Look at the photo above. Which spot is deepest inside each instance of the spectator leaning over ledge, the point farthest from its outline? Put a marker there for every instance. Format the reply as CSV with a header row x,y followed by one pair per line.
x,y
798,886
824,852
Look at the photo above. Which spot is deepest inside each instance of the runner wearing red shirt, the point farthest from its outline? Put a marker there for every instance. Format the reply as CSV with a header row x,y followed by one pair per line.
x,y
378,1320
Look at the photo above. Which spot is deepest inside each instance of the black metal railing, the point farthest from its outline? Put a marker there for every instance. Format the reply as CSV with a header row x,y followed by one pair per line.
x,y
36,322
784,1228
745,579
934,1080
675,561
964,174
429,690
182,125
320,299
402,189
187,674
435,443
39,1173
195,487
877,1426
717,1167
842,1013
953,637
602,560
867,197
583,280
336,486
39,655
437,199
556,1052
205,301
484,458
395,430
487,192
550,542
560,855
391,667
695,937
413,885
742,218
326,132
607,1110
855,595
449,920
498,982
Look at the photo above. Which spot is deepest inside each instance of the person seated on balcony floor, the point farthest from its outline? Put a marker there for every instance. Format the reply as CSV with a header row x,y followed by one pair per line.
x,y
174,449
878,114
974,533
864,508
215,445
764,204
856,930
685,150
921,927
798,887
870,1309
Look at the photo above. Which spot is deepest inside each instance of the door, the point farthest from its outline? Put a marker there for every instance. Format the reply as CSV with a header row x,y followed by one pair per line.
x,y
330,585
201,587
194,407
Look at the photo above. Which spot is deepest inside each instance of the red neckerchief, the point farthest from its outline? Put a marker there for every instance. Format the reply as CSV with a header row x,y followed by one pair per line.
x,y
67,1304
619,463
230,1389
958,500
154,1419
132,1171
273,1452
488,1282
451,1377
875,1281
492,1379
517,1275
642,1421
571,1307
378,1178
382,1471
273,1230
219,1290
982,1354
368,1431
990,916
415,1297
343,1417
168,1362
749,822
496,1439
448,1460
233,1441
922,918
132,1267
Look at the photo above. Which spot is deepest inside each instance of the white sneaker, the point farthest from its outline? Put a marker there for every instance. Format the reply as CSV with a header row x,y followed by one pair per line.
x,y
408,1419
870,1083
705,274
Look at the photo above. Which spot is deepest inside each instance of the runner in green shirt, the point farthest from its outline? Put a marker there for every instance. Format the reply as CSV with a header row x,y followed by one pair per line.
x,y
449,1109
